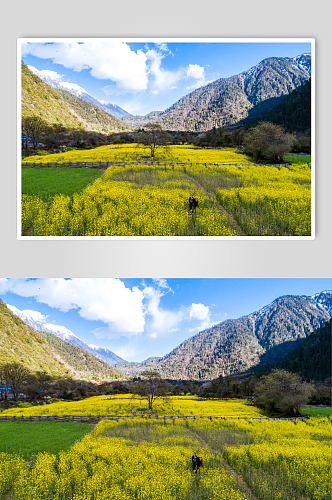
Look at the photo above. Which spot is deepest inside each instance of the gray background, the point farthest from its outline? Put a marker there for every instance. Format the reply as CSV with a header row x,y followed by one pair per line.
x,y
171,18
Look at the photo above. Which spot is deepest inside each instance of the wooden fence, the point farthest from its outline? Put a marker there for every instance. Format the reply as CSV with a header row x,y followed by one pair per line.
x,y
97,418
106,164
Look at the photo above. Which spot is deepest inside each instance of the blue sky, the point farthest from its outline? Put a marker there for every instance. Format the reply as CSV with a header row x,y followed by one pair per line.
x,y
138,318
149,76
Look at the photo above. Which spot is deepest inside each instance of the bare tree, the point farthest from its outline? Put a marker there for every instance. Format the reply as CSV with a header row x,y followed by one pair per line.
x,y
14,375
153,137
34,127
151,387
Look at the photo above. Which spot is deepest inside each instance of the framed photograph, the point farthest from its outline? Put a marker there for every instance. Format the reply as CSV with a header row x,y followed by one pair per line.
x,y
169,138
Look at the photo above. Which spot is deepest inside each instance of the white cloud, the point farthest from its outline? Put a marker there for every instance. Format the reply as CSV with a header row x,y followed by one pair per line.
x,y
153,335
163,46
202,313
162,320
163,79
199,311
161,282
107,60
107,300
195,71
155,92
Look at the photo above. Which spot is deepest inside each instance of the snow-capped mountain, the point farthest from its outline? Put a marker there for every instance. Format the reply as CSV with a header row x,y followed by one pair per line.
x,y
80,92
323,301
104,354
303,62
114,109
67,336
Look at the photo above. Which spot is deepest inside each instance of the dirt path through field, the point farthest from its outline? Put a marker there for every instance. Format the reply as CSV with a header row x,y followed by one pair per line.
x,y
233,223
9,495
246,488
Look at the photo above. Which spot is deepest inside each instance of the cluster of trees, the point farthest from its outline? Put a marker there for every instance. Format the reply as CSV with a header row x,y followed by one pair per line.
x,y
51,136
278,393
265,142
36,385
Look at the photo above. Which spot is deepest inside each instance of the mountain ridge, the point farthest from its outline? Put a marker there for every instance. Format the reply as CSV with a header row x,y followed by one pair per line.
x,y
229,101
65,109
68,336
45,352
237,345
80,92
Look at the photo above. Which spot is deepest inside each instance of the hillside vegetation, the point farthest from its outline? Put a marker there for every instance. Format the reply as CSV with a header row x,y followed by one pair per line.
x,y
57,107
39,99
45,352
312,357
294,111
94,117
80,361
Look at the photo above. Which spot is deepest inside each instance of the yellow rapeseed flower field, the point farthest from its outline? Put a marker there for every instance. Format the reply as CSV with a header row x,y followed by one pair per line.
x,y
150,459
124,404
152,199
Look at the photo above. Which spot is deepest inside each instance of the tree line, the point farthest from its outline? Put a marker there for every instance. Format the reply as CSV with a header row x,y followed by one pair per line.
x,y
278,393
36,385
265,142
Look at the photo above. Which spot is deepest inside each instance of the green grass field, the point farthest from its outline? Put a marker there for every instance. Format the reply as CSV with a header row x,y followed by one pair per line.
x,y
295,158
30,438
315,411
47,182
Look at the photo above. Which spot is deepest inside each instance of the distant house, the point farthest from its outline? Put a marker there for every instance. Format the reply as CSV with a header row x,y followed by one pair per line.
x,y
26,142
3,390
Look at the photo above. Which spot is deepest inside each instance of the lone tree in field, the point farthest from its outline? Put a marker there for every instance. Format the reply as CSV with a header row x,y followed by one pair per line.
x,y
151,387
34,127
153,137
267,142
13,375
282,393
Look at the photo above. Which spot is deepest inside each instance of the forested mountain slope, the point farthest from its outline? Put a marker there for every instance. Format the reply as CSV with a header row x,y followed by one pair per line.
x,y
45,352
228,101
62,108
237,345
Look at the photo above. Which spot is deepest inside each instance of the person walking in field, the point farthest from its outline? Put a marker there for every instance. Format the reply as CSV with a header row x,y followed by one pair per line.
x,y
191,203
199,462
194,462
